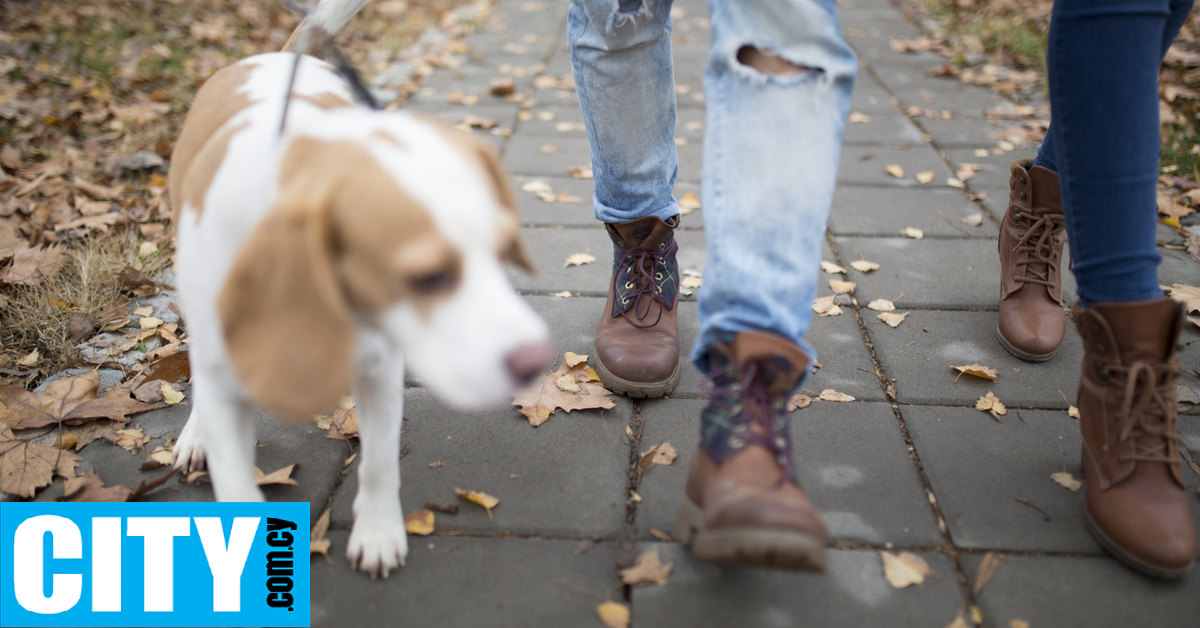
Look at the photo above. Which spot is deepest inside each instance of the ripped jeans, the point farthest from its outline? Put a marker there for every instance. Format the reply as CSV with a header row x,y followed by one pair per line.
x,y
771,147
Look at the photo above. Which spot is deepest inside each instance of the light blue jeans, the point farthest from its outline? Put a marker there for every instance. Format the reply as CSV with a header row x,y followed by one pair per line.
x,y
771,146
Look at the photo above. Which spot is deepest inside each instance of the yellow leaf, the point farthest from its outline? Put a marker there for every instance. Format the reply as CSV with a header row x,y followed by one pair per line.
x,y
904,570
1188,295
483,499
161,455
536,186
1067,481
864,266
989,403
149,322
567,197
170,395
419,523
924,177
613,615
831,268
579,259
688,204
1018,623
913,233
648,569
147,249
978,370
841,287
830,394
566,383
895,170
574,359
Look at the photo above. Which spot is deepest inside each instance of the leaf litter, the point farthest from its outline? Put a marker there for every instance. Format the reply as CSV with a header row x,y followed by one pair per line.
x,y
553,391
905,569
647,569
978,370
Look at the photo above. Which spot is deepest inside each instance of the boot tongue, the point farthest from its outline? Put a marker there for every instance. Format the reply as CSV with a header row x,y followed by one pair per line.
x,y
781,364
1046,193
1144,331
646,232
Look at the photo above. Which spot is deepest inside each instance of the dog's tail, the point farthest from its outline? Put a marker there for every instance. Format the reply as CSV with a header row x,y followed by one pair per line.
x,y
326,19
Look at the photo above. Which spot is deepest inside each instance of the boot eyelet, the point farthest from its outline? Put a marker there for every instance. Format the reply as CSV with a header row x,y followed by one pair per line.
x,y
658,276
1101,348
1094,327
1022,196
629,285
662,246
1016,216
736,442
1022,180
1101,370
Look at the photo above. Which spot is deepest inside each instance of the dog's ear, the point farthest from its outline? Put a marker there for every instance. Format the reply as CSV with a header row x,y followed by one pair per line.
x,y
519,253
287,325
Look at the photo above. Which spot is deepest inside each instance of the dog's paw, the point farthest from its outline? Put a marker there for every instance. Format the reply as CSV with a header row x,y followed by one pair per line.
x,y
188,454
378,545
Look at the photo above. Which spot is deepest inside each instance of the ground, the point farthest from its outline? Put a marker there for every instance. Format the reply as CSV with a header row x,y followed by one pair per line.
x,y
909,466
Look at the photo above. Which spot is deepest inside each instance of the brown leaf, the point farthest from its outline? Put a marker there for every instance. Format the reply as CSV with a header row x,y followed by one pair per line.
x,y
90,488
170,368
796,402
1067,481
25,467
318,544
989,403
33,266
663,454
279,476
978,370
647,569
830,394
131,440
987,569
98,192
1188,295
905,569
134,281
544,396
451,509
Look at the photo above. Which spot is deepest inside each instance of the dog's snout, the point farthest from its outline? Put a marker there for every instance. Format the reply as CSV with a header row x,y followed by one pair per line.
x,y
527,360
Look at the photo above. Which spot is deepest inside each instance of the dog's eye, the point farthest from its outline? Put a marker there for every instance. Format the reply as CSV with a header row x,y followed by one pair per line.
x,y
432,283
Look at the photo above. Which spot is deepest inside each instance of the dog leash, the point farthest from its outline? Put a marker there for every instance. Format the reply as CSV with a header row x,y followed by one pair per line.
x,y
324,45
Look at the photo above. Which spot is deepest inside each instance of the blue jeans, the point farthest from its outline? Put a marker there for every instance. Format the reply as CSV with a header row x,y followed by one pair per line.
x,y
771,147
1103,60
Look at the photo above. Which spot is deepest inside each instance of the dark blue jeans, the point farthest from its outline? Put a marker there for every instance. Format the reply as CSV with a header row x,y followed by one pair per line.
x,y
1103,58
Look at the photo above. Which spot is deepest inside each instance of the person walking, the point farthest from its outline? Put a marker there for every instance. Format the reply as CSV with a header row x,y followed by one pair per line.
x,y
1093,183
777,87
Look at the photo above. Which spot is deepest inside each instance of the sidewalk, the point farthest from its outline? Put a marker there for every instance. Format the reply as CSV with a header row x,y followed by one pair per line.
x,y
925,472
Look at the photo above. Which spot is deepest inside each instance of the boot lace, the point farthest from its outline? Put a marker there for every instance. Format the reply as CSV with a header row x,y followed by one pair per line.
x,y
1038,243
748,414
645,270
1147,409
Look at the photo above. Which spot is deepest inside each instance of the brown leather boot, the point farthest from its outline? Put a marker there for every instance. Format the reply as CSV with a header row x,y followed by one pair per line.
x,y
637,342
743,504
1032,322
1136,505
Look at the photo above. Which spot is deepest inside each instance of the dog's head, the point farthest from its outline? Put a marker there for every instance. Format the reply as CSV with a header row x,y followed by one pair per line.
x,y
405,231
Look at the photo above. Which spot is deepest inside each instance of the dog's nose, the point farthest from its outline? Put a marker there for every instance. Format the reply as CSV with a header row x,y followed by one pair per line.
x,y
527,360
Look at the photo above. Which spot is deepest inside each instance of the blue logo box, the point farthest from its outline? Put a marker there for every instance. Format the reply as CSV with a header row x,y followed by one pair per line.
x,y
154,564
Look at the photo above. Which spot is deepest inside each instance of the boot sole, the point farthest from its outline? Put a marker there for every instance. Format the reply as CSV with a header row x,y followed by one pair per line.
x,y
757,547
1024,355
637,390
1131,561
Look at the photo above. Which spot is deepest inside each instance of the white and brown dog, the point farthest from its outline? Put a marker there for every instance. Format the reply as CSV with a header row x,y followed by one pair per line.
x,y
313,263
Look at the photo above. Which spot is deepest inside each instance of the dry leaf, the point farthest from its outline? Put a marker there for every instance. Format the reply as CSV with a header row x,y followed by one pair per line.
x,y
858,118
978,370
1072,411
536,185
579,259
69,399
144,311
279,476
1018,623
987,569
659,534
90,488
825,306
170,394
841,287
566,383
959,621
318,543
419,523
98,192
573,360
895,170
688,204
580,172
613,615
131,440
864,266
663,454
25,467
954,183
33,266
567,197
989,403
832,268
882,305
1067,481
912,232
904,570
149,322
891,318
160,455
544,396
647,569
483,499
30,359
1188,295
924,177
797,402
562,295
972,220
830,394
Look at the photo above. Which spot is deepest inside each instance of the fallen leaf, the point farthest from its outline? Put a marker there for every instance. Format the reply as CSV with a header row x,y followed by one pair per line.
x,y
924,177
547,149
567,197
972,220
131,440
579,259
954,183
98,192
891,318
536,186
573,360
978,370
30,359
913,233
279,476
1018,623
688,204
858,118
69,399
987,569
864,266
562,295
1072,411
895,170
904,570
830,394
318,544
149,322
1183,394
797,402
659,534
613,615
161,455
832,268
882,305
566,383
170,395
580,172
144,311
989,403
663,454
90,488
1067,481
25,467
544,396
841,287
647,569
483,499
959,621
825,306
33,266
451,509
419,523
1188,295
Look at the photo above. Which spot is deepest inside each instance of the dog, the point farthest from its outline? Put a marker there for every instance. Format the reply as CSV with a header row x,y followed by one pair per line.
x,y
317,261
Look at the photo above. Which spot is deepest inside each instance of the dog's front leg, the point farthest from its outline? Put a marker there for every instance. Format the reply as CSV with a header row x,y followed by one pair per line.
x,y
378,542
226,430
